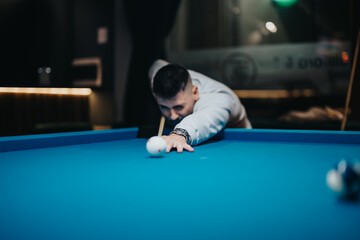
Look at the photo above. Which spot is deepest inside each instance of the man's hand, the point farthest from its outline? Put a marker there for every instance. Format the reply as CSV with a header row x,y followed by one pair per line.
x,y
178,142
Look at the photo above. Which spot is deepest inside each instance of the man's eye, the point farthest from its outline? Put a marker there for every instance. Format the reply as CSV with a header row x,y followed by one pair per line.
x,y
162,108
178,108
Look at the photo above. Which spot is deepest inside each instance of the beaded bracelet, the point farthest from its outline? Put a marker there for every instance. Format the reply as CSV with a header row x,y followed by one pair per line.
x,y
182,132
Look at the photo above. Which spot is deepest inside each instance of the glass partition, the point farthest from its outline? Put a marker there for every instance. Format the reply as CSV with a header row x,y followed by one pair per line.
x,y
277,55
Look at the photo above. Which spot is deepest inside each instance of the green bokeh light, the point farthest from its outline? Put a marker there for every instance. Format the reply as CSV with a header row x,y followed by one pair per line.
x,y
285,3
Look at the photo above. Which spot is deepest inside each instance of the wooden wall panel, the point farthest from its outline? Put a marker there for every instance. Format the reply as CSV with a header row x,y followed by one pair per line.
x,y
20,113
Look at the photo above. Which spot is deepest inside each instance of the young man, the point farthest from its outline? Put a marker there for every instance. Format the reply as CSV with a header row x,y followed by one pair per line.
x,y
199,106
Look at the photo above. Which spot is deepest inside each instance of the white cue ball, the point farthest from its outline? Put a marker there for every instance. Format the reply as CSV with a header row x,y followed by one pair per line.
x,y
334,181
156,146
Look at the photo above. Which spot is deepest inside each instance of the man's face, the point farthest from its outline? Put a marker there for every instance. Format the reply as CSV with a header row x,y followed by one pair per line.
x,y
181,105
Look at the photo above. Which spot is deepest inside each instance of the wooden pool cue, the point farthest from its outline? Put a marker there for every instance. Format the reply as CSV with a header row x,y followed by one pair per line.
x,y
161,126
343,124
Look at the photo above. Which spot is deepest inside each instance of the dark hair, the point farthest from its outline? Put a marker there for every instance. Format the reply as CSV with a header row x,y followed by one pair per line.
x,y
170,80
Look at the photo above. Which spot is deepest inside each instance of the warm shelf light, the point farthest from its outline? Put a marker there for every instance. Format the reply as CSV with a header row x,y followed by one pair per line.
x,y
275,93
56,91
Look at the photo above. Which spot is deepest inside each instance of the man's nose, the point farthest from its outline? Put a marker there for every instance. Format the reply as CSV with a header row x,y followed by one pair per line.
x,y
173,115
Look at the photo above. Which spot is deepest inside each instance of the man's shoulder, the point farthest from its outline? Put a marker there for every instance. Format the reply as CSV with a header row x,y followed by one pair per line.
x,y
207,83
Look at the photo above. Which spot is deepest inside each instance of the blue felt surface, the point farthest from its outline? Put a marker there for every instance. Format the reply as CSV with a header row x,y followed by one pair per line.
x,y
228,189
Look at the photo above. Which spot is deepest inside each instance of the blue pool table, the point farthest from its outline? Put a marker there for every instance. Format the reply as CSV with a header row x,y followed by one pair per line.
x,y
249,184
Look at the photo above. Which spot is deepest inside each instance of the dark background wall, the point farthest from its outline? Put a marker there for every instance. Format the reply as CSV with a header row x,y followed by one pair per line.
x,y
89,17
51,33
26,40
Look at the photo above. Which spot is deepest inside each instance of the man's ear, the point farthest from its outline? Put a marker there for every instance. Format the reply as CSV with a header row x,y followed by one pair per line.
x,y
195,92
